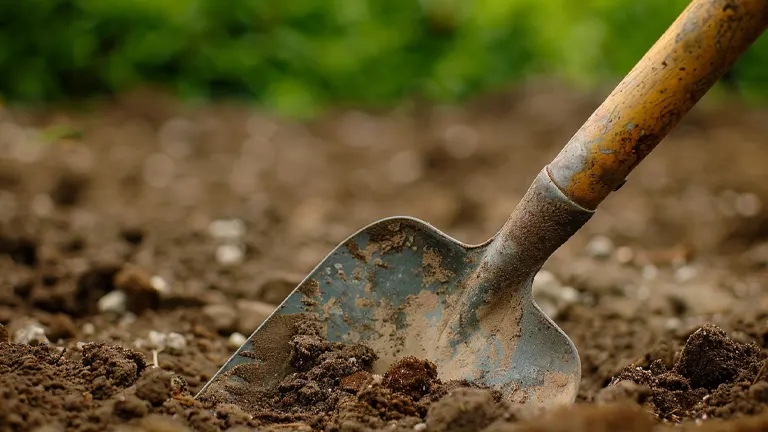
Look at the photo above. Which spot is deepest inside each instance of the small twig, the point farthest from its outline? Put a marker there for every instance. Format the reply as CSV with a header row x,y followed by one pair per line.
x,y
760,373
155,361
61,355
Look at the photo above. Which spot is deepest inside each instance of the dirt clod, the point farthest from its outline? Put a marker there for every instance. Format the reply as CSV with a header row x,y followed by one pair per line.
x,y
463,410
411,376
710,358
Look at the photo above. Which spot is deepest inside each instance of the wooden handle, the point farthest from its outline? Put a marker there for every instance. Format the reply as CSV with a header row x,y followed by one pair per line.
x,y
704,41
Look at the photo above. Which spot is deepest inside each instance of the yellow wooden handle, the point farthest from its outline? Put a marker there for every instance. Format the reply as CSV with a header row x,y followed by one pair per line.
x,y
704,41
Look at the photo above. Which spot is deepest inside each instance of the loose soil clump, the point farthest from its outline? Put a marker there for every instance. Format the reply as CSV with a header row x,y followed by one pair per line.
x,y
714,376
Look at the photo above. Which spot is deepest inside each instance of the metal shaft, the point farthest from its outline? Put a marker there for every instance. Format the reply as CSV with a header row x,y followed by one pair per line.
x,y
704,41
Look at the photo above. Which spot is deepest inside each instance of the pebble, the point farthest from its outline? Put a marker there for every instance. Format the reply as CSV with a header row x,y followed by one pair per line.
x,y
175,343
32,334
114,301
748,205
420,427
251,314
545,281
89,329
625,255
229,254
160,285
226,229
600,247
222,317
157,339
552,296
236,340
650,272
686,273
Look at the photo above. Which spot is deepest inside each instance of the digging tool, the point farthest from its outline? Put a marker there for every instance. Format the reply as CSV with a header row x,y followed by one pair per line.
x,y
404,288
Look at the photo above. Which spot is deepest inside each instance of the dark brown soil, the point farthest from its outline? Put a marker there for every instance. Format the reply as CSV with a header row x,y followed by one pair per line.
x,y
133,260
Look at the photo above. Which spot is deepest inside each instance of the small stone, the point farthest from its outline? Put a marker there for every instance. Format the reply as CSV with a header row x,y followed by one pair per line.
x,y
160,285
650,272
113,301
748,205
42,205
32,334
251,314
229,254
420,427
569,294
686,273
226,229
545,281
89,329
157,340
222,317
175,343
625,255
600,247
236,340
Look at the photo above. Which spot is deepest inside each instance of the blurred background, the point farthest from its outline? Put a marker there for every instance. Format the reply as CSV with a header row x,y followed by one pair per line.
x,y
298,57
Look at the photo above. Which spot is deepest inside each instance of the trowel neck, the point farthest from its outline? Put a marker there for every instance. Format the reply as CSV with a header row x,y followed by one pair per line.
x,y
543,220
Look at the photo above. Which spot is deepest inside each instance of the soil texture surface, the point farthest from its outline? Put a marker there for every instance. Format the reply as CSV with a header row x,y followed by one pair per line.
x,y
142,241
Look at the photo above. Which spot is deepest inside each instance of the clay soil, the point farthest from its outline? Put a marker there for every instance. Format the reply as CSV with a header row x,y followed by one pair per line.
x,y
139,239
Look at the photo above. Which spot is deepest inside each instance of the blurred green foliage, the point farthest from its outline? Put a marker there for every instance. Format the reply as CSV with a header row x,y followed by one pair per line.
x,y
298,56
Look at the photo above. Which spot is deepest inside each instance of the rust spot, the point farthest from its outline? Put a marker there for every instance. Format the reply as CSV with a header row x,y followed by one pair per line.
x,y
310,288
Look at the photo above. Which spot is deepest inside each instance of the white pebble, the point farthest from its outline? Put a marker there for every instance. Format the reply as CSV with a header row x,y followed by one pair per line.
x,y
673,323
625,255
686,273
229,254
80,345
226,229
235,340
175,342
42,205
569,294
157,339
600,247
420,427
748,205
113,301
89,329
650,272
545,281
159,284
32,334
127,319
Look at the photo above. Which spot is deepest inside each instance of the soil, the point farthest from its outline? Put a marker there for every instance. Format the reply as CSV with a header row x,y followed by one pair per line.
x,y
135,254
